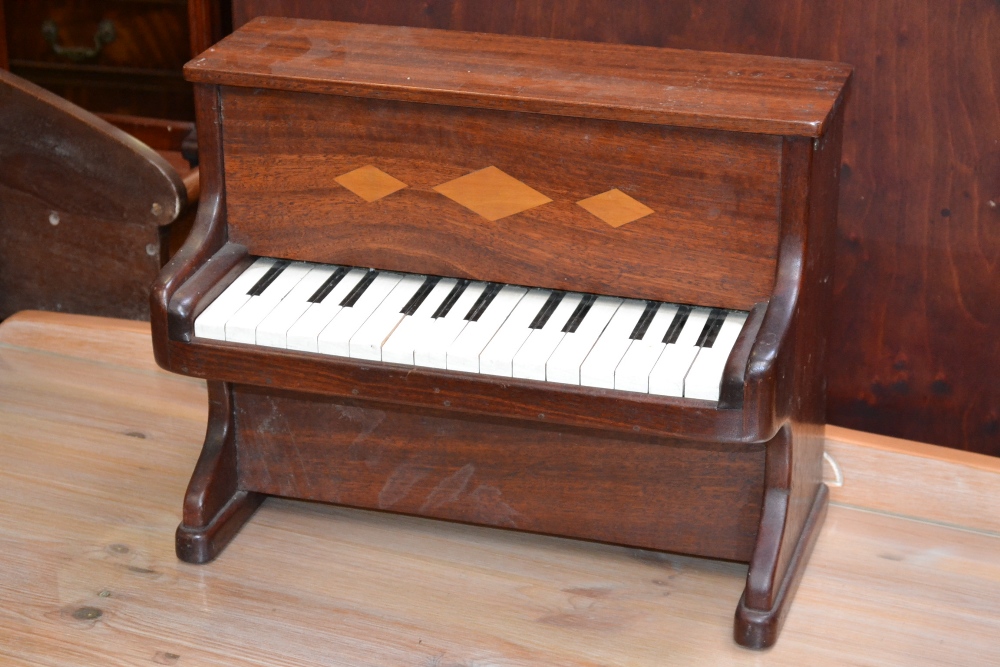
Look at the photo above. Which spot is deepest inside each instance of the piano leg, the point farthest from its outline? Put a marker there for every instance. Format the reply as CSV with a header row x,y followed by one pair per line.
x,y
793,512
215,508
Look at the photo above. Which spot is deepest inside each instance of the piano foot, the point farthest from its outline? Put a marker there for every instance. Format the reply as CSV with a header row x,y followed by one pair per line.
x,y
215,508
759,628
201,544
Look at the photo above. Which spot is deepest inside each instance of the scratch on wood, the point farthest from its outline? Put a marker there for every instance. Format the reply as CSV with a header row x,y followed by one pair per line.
x,y
369,420
492,509
275,423
399,484
449,489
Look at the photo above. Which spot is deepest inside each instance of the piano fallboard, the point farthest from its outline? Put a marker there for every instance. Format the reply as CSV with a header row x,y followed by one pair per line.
x,y
626,209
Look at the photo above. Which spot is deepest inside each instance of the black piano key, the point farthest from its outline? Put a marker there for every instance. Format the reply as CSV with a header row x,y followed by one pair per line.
x,y
450,300
328,285
268,277
359,289
414,303
647,316
680,319
483,302
542,318
581,311
712,326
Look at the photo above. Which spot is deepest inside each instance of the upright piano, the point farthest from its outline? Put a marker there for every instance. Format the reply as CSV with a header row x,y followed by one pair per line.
x,y
569,288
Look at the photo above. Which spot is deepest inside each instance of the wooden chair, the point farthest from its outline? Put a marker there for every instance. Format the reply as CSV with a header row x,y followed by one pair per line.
x,y
87,212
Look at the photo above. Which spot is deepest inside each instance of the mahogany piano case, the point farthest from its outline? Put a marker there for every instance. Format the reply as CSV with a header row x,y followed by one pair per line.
x,y
654,186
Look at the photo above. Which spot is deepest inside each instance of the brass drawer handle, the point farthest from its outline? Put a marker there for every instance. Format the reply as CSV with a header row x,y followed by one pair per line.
x,y
105,35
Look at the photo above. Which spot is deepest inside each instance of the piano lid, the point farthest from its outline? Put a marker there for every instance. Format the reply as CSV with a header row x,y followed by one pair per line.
x,y
740,93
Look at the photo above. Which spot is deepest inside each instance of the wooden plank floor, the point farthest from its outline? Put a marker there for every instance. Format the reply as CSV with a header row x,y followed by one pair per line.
x,y
96,446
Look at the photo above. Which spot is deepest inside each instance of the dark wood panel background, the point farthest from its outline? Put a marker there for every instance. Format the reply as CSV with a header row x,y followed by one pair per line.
x,y
914,347
4,64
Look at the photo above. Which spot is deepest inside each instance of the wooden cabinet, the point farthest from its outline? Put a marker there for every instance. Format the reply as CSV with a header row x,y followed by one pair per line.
x,y
111,56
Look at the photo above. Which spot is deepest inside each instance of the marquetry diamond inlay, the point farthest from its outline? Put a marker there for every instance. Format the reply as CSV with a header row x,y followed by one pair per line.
x,y
615,207
370,183
492,194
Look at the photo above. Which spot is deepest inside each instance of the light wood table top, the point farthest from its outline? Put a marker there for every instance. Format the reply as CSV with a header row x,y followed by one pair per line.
x,y
97,445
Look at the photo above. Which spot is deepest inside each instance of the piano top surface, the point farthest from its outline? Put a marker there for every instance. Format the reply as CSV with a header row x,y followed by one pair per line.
x,y
740,93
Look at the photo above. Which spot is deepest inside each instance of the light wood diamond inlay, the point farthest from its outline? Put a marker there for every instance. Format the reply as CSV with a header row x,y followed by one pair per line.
x,y
370,183
492,194
615,207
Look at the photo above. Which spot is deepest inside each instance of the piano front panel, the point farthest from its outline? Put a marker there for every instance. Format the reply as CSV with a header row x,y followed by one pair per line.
x,y
620,488
616,208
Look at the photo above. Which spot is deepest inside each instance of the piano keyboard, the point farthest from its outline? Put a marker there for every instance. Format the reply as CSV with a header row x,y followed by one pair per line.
x,y
475,327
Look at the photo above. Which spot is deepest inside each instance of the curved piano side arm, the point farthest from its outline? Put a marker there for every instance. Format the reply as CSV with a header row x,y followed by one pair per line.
x,y
208,233
784,385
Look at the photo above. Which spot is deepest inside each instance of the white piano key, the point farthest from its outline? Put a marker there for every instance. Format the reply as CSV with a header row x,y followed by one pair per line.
x,y
211,323
242,327
498,357
529,362
463,353
704,380
667,376
633,371
335,339
599,352
564,364
304,334
598,369
273,329
431,349
367,342
399,348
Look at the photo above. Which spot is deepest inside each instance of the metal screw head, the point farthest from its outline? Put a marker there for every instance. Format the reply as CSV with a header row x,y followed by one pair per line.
x,y
151,249
156,209
53,218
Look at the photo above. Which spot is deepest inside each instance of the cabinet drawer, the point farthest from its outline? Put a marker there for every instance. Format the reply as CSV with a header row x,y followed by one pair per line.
x,y
147,34
132,64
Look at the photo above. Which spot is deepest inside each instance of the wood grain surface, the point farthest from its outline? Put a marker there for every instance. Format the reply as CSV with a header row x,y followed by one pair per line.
x,y
711,239
97,445
606,81
913,350
556,480
4,64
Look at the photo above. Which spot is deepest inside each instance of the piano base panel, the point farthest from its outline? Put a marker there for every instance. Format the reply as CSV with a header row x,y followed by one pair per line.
x,y
756,628
639,490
